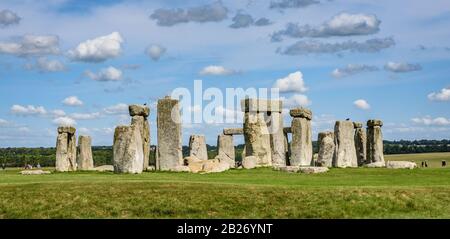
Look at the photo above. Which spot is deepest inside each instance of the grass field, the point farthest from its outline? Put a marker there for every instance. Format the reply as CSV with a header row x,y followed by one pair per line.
x,y
257,193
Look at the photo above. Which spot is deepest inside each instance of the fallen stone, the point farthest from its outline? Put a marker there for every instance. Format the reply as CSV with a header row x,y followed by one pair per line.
x,y
104,168
180,169
34,172
224,158
375,165
313,169
249,162
139,110
401,165
290,169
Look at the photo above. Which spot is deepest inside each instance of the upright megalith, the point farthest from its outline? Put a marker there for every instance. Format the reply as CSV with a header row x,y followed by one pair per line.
x,y
257,134
84,153
344,140
128,154
301,143
197,147
277,138
325,142
225,146
66,149
360,143
374,141
139,115
169,151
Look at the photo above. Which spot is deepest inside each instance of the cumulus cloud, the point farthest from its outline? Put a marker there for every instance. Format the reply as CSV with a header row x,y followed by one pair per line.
x,y
361,104
8,18
317,47
296,100
343,24
98,49
155,51
45,65
120,108
28,110
443,95
106,74
217,71
428,120
72,101
64,121
214,12
401,67
31,45
291,83
243,20
352,69
292,3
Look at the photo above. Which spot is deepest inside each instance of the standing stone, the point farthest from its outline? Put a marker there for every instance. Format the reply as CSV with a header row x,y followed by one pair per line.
x,y
169,152
225,146
277,139
66,149
301,144
257,138
84,153
344,140
128,154
139,115
374,141
326,149
197,147
360,143
287,146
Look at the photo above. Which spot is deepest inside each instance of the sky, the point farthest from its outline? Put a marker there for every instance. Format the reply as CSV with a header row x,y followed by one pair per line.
x,y
82,62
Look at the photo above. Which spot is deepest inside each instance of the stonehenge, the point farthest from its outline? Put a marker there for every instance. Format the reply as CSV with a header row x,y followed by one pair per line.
x,y
84,153
128,154
325,142
169,151
374,141
360,143
66,149
139,115
301,145
344,140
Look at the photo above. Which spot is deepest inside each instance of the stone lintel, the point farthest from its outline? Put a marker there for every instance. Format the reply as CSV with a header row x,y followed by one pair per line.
x,y
301,113
261,105
233,131
374,122
66,129
139,110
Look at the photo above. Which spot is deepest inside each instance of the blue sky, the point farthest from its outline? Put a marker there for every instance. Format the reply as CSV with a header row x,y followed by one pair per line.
x,y
82,61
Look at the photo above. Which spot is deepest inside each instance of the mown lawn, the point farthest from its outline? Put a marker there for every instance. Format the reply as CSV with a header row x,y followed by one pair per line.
x,y
257,193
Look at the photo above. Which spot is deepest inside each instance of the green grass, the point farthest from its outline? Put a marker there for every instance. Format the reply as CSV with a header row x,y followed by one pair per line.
x,y
258,193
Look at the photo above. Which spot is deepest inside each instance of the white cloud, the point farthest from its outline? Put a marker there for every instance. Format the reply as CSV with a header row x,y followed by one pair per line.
x,y
361,104
443,95
72,101
352,69
8,18
296,100
31,45
28,110
120,108
428,120
106,74
85,116
401,67
291,83
217,71
98,49
3,123
64,121
58,113
45,65
155,51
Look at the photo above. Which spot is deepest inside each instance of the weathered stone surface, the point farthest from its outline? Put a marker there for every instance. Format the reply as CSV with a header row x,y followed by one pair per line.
x,y
233,131
128,154
219,167
191,159
225,146
181,169
84,153
224,158
144,129
151,168
257,138
301,144
277,143
301,113
287,130
344,140
313,169
34,172
326,149
360,145
374,122
249,162
197,147
357,125
104,168
261,105
139,110
375,165
66,150
169,151
374,142
289,169
401,164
